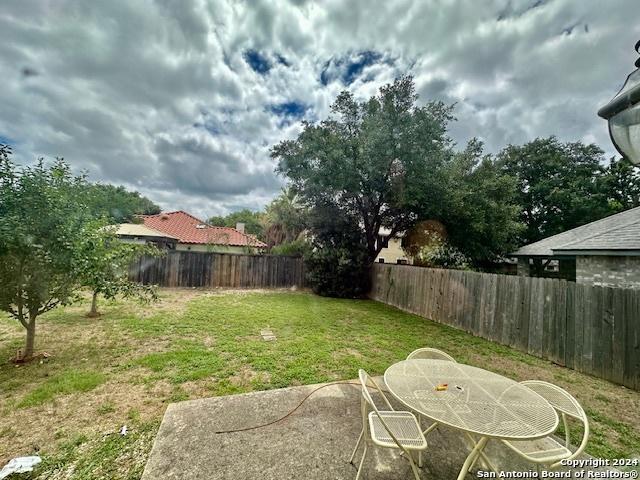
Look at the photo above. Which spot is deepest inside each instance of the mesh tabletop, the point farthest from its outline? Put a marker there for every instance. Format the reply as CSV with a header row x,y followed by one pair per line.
x,y
476,401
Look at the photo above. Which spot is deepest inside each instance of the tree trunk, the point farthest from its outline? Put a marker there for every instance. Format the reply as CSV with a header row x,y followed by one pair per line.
x,y
31,337
94,305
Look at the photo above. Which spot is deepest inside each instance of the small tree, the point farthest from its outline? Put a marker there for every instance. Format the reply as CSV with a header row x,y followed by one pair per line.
x,y
103,263
41,221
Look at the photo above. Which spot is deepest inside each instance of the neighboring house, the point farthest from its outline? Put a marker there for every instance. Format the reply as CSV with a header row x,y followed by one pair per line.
x,y
391,248
194,235
605,252
139,233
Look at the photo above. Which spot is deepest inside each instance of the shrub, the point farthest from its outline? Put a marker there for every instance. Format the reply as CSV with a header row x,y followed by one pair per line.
x,y
338,262
442,255
338,272
296,248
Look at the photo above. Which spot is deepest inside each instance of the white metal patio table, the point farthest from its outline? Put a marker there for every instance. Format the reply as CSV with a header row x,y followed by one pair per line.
x,y
477,402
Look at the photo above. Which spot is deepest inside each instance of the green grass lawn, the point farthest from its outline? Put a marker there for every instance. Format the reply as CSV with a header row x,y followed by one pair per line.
x,y
126,366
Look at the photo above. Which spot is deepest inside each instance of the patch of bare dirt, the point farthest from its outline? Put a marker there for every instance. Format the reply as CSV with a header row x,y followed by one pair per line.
x,y
105,409
346,352
198,388
174,300
246,375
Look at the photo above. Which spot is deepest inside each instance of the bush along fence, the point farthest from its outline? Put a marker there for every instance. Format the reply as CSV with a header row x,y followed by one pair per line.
x,y
594,330
199,269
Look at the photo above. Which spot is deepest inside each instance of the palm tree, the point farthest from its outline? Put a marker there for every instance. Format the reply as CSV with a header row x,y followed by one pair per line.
x,y
285,218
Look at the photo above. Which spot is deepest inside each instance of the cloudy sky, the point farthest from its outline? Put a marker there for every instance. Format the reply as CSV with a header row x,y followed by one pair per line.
x,y
182,100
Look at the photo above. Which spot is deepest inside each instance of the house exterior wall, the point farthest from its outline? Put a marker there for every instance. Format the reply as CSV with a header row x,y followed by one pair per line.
x,y
393,252
523,266
608,271
195,247
137,241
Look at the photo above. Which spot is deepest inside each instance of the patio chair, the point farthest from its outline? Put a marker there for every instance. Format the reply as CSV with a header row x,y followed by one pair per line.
x,y
548,451
430,354
386,428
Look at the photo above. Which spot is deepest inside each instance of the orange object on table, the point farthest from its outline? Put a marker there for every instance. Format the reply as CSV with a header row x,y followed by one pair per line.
x,y
442,387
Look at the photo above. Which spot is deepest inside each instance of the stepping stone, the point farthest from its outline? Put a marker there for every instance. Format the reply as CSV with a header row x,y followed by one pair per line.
x,y
267,335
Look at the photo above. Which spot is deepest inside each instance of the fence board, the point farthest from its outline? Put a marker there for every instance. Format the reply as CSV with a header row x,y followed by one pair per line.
x,y
200,269
594,330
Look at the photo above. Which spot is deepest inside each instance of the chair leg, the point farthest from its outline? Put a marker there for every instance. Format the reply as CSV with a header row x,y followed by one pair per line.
x,y
357,446
428,430
364,454
420,458
413,466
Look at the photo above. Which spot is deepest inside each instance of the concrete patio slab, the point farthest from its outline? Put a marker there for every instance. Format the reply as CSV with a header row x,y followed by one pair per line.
x,y
315,442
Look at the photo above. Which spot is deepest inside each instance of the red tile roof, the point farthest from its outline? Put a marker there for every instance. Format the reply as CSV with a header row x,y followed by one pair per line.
x,y
189,229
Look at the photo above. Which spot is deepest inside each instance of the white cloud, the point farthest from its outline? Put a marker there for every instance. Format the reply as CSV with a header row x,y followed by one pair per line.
x,y
159,95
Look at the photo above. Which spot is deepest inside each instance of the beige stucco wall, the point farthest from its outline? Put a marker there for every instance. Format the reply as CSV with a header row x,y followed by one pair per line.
x,y
186,247
393,252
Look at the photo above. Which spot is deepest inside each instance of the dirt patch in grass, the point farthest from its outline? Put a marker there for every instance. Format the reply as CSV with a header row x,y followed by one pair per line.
x,y
172,300
246,377
346,353
102,411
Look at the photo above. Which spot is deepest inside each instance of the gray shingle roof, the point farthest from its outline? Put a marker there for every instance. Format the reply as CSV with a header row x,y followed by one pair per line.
x,y
616,232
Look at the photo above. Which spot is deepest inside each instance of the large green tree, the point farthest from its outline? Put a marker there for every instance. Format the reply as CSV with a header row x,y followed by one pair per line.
x,y
41,222
377,162
481,215
116,203
559,185
622,184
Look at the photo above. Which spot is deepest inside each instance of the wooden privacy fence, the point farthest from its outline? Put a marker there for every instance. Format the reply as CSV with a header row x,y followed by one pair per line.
x,y
199,269
594,330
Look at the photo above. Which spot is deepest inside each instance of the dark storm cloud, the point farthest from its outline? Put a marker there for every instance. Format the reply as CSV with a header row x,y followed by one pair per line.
x,y
182,100
196,165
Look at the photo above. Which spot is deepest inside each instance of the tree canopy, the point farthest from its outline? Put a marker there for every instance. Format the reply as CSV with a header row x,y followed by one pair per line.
x,y
253,223
564,185
41,223
622,183
285,218
103,264
116,203
481,214
47,224
377,162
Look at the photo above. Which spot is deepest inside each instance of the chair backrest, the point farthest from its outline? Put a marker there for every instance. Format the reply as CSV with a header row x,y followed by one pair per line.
x,y
430,354
565,404
365,379
367,400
